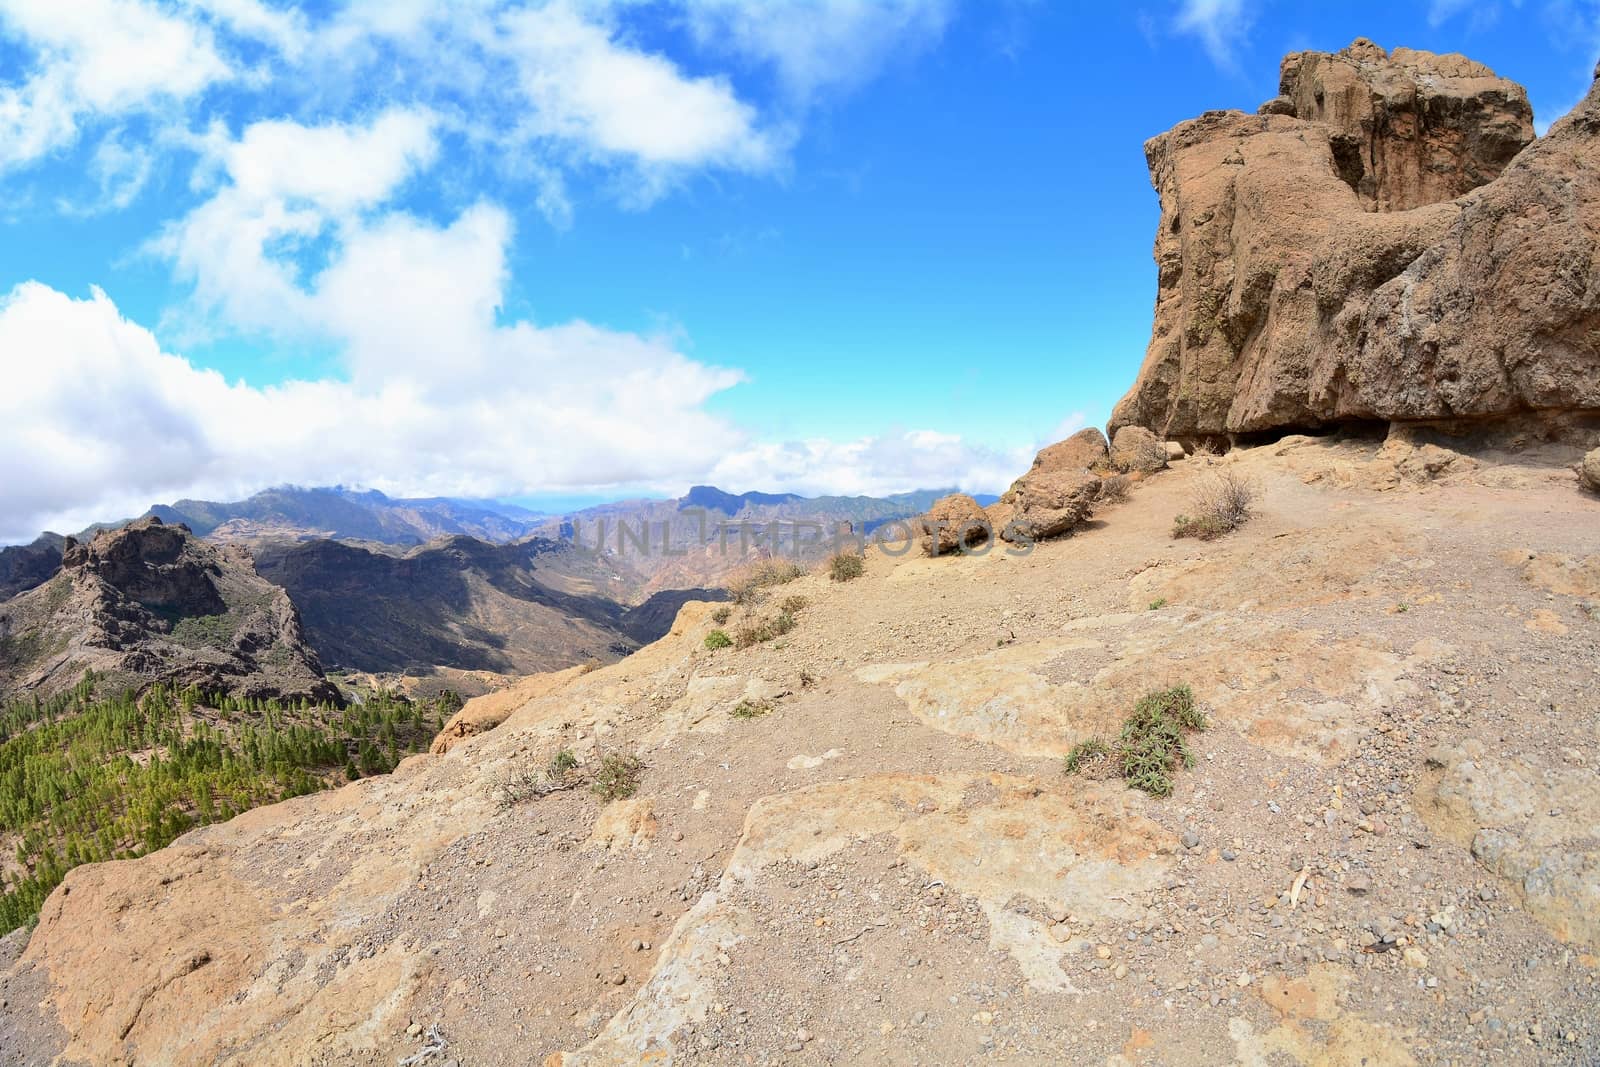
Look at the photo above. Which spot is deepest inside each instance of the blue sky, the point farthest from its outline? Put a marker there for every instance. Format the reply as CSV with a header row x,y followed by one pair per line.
x,y
545,250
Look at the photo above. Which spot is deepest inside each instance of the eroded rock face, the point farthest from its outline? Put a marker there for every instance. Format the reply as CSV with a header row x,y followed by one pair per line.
x,y
1137,449
1084,450
953,522
150,603
1377,245
1410,128
1589,472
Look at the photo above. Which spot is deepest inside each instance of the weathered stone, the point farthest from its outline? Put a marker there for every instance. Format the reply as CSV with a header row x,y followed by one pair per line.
x,y
954,522
1137,449
1589,471
1048,503
1084,450
1376,255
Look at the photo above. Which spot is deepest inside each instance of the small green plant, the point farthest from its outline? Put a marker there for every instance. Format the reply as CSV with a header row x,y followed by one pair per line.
x,y
1152,744
721,615
1158,603
766,630
561,763
517,788
1401,608
618,777
1084,751
751,709
718,639
846,566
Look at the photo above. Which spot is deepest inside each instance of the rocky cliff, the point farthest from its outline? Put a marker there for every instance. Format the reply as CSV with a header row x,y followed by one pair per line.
x,y
149,602
1381,243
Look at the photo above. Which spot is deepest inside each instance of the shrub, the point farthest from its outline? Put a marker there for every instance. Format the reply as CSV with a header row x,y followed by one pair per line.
x,y
1084,751
766,630
1152,744
749,587
618,777
517,788
721,615
1114,490
1222,503
1158,603
561,763
751,709
718,639
846,566
807,679
794,605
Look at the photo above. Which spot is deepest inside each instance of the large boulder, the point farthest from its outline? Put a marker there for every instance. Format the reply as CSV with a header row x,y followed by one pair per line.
x,y
1084,450
954,522
1047,503
1137,449
1589,472
1379,245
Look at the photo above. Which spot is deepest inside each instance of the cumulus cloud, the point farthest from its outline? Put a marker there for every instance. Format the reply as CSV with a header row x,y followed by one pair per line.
x,y
819,44
872,466
98,421
1220,26
319,209
103,58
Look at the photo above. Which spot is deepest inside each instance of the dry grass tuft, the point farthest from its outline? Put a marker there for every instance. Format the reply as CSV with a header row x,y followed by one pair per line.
x,y
1222,503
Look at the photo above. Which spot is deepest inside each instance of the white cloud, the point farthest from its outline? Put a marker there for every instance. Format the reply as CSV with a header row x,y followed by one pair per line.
x,y
613,101
96,58
1220,25
818,44
872,466
98,422
286,186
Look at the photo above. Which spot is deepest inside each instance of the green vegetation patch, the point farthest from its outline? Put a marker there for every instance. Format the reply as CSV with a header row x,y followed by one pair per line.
x,y
206,631
86,778
618,777
718,639
751,709
1153,742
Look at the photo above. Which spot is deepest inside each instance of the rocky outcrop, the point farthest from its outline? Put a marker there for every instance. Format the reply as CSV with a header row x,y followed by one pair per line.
x,y
1058,491
1373,247
22,567
1136,449
151,603
1083,451
482,714
1589,472
953,523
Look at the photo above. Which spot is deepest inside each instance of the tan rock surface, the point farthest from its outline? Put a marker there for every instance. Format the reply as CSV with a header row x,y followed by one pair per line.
x,y
482,714
933,889
1379,247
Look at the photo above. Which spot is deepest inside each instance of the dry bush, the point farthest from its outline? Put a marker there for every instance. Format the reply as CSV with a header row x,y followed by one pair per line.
x,y
794,605
846,566
721,615
765,630
1222,503
750,586
1115,489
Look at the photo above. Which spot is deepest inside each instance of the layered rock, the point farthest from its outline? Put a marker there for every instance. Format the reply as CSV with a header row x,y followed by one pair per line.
x,y
151,603
1372,247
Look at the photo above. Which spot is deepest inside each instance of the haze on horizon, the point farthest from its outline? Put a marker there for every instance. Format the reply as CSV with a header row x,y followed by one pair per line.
x,y
562,250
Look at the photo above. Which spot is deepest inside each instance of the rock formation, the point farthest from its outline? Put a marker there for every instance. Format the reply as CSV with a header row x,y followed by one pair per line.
x,y
1056,494
1589,471
1136,449
150,603
1378,244
954,522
